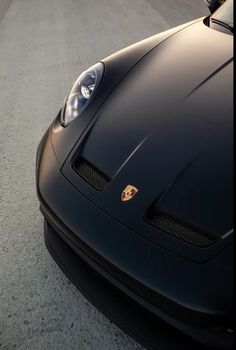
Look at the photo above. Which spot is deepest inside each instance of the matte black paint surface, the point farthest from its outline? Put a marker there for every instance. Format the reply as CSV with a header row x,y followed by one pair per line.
x,y
162,121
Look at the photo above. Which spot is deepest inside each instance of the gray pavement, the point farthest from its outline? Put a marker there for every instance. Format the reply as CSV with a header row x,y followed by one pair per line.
x,y
44,45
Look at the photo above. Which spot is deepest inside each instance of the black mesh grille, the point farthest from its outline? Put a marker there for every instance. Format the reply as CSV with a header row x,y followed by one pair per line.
x,y
180,230
91,174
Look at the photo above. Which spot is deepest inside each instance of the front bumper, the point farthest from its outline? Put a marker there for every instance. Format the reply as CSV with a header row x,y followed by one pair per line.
x,y
128,261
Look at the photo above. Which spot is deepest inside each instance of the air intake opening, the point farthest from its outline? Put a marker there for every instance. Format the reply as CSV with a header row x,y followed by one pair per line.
x,y
179,229
93,176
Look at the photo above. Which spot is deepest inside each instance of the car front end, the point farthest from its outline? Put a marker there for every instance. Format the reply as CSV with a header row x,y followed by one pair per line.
x,y
137,178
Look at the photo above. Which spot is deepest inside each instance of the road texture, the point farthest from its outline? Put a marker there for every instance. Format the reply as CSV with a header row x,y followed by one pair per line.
x,y
44,45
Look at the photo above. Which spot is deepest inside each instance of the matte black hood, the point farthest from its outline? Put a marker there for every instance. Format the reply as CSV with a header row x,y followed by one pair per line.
x,y
171,117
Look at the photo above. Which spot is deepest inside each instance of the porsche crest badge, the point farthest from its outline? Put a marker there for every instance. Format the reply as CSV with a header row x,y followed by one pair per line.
x,y
128,193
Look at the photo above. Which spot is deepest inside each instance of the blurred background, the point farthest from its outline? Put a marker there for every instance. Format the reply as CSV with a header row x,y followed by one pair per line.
x,y
44,45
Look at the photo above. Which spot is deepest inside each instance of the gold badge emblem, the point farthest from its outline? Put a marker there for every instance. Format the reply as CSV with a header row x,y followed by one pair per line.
x,y
128,193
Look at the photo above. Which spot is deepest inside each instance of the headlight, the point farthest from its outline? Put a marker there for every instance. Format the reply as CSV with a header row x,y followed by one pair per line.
x,y
81,93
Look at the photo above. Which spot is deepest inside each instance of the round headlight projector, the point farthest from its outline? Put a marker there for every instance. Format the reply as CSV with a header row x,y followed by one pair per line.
x,y
81,93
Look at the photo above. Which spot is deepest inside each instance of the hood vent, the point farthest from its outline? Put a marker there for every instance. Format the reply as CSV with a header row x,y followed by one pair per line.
x,y
91,174
180,230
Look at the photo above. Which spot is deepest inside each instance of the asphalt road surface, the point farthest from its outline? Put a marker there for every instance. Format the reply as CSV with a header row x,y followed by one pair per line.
x,y
44,45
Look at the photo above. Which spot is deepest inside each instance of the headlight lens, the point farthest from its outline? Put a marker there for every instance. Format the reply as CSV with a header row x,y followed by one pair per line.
x,y
81,93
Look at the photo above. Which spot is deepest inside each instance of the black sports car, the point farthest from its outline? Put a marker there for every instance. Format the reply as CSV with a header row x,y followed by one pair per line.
x,y
135,174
